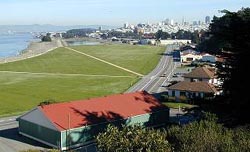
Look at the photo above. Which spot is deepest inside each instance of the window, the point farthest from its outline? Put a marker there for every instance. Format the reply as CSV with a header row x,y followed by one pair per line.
x,y
182,93
173,93
199,95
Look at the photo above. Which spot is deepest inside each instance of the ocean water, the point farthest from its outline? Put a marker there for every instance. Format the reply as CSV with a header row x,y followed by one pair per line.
x,y
12,44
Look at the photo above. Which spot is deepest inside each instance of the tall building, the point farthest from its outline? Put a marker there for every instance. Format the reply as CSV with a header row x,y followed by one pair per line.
x,y
207,19
172,22
195,23
183,21
167,21
100,28
199,22
126,25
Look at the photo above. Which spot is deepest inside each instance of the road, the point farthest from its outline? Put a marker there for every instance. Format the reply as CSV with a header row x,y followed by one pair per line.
x,y
11,141
155,81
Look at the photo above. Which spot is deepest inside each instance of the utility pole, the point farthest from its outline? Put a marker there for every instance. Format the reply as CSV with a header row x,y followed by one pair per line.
x,y
68,138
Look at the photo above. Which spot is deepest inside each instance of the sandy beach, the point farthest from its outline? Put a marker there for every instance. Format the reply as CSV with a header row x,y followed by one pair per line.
x,y
35,49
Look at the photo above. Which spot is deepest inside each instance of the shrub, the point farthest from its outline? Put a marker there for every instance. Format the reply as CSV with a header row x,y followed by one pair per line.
x,y
132,138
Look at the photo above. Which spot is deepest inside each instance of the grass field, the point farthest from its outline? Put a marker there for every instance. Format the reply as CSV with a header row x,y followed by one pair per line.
x,y
49,76
141,59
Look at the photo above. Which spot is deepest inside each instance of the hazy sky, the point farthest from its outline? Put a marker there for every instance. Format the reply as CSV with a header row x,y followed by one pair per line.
x,y
110,12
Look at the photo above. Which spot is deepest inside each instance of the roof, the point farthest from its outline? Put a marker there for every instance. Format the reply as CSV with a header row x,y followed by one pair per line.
x,y
200,72
98,110
194,87
190,51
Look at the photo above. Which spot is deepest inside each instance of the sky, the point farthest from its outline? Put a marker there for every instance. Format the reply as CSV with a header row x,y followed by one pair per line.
x,y
110,12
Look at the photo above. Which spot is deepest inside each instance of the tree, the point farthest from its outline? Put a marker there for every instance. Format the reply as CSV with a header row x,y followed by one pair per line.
x,y
208,135
46,38
162,35
132,138
229,36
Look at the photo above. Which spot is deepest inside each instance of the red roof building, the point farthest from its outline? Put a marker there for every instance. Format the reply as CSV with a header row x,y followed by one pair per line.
x,y
89,117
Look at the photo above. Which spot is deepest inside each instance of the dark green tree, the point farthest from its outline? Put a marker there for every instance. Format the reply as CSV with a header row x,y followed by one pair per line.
x,y
229,36
46,38
162,35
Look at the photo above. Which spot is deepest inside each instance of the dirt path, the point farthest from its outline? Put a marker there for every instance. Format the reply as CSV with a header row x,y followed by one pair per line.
x,y
98,59
64,74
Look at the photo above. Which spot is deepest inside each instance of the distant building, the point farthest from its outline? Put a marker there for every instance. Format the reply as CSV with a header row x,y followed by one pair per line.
x,y
126,25
100,28
73,124
189,56
167,21
195,23
176,41
199,22
172,22
207,20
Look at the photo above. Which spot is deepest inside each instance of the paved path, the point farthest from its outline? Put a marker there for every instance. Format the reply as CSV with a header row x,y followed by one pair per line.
x,y
11,141
65,74
117,66
154,81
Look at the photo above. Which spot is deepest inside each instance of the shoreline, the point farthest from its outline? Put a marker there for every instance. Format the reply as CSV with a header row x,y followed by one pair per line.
x,y
35,49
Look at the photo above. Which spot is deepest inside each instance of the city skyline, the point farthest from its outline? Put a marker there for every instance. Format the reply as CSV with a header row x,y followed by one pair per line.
x,y
110,12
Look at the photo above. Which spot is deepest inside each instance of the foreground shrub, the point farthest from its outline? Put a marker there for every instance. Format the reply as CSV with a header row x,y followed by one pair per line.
x,y
132,139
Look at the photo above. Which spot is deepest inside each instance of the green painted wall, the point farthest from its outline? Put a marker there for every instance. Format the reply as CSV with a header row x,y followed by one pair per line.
x,y
45,134
85,134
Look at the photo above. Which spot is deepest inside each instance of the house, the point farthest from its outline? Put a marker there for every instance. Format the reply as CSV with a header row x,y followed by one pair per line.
x,y
73,124
201,74
191,90
189,56
208,58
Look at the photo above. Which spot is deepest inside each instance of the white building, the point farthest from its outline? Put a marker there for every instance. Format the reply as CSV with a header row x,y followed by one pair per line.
x,y
189,56
167,42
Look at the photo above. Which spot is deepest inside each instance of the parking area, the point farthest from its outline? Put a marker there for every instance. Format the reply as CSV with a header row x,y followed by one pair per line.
x,y
11,141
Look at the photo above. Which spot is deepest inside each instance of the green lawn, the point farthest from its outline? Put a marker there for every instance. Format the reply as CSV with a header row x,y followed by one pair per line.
x,y
20,92
141,59
63,60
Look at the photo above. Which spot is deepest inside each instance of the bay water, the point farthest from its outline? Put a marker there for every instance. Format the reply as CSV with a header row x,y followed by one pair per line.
x,y
11,44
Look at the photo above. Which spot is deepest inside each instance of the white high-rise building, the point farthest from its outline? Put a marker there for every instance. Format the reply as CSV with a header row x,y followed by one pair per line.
x,y
171,22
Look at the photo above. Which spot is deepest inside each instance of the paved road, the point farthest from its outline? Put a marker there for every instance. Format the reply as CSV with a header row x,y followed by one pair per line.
x,y
155,81
11,141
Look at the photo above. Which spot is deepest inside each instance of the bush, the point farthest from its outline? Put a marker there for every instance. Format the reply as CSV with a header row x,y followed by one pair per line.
x,y
132,138
197,136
